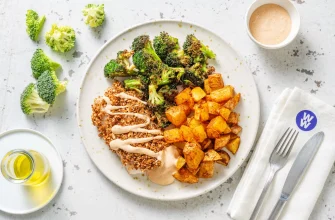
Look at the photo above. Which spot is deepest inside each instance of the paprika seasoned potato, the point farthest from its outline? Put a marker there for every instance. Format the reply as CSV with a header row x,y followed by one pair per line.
x,y
185,176
206,125
193,155
176,115
173,135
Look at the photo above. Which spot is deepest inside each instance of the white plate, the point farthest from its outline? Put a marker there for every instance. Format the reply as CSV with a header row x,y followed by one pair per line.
x,y
20,199
228,63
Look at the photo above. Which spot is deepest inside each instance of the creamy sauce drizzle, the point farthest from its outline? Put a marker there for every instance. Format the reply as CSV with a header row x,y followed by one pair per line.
x,y
168,157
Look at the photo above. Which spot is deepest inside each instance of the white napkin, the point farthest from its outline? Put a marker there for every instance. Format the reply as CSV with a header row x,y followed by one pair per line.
x,y
283,115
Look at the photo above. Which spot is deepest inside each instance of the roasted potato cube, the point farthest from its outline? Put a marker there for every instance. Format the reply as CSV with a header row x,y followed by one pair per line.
x,y
190,103
208,98
193,155
222,94
180,145
233,118
211,155
215,81
198,94
197,111
173,135
187,133
193,171
206,169
185,176
214,108
183,96
204,114
180,162
199,133
233,136
227,130
176,115
216,127
206,86
207,144
221,142
224,112
236,129
194,123
233,145
186,108
225,158
232,103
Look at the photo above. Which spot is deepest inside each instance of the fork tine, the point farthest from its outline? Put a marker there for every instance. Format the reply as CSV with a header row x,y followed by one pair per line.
x,y
283,145
292,144
277,148
287,146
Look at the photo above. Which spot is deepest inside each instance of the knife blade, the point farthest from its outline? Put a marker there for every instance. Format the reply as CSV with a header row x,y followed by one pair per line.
x,y
300,164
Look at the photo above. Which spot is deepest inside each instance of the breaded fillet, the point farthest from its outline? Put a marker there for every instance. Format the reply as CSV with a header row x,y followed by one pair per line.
x,y
104,122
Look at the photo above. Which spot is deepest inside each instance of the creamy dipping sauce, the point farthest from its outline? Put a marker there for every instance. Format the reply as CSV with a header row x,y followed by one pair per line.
x,y
168,157
270,24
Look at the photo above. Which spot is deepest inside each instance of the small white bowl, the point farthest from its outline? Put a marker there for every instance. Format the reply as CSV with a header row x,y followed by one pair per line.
x,y
292,11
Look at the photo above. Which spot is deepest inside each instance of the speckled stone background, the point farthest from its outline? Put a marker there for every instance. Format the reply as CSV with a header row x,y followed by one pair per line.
x,y
86,194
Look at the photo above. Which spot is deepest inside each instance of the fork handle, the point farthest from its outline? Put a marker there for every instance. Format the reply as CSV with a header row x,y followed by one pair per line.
x,y
263,194
277,209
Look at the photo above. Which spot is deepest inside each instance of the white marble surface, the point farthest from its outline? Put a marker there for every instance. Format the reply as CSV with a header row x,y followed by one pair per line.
x,y
86,194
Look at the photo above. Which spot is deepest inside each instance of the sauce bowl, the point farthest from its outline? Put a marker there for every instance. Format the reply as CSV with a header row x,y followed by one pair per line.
x,y
292,11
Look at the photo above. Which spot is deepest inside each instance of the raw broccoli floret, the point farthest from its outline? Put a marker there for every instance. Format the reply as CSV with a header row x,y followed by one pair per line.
x,y
165,44
34,24
94,14
197,50
31,102
40,62
155,99
48,86
60,38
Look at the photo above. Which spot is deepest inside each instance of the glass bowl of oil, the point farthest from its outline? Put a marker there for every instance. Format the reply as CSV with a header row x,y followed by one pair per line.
x,y
27,167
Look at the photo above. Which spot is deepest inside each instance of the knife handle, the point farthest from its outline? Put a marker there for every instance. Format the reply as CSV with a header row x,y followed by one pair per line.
x,y
277,209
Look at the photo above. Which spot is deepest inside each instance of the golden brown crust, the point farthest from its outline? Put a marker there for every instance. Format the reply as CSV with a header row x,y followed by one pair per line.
x,y
104,123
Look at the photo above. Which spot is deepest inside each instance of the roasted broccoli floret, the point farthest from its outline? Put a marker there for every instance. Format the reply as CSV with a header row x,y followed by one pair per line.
x,y
197,50
94,14
48,86
178,59
196,74
31,102
60,38
34,24
169,92
146,63
165,44
40,62
138,84
161,118
120,67
155,99
169,75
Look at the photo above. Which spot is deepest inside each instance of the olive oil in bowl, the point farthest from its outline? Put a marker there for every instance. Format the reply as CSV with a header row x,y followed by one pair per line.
x,y
25,167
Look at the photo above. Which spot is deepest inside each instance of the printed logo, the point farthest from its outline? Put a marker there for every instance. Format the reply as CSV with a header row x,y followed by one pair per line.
x,y
306,120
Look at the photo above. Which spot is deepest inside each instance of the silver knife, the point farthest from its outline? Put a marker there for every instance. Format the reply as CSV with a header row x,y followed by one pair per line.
x,y
300,164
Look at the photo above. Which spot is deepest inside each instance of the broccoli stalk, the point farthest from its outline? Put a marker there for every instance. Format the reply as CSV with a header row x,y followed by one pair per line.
x,y
48,86
197,50
40,63
60,38
165,44
155,99
34,24
31,102
94,15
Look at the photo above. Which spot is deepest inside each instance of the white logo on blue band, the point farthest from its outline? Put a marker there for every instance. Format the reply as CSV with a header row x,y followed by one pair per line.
x,y
306,120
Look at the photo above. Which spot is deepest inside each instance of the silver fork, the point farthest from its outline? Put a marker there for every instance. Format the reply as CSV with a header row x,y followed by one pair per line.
x,y
277,161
